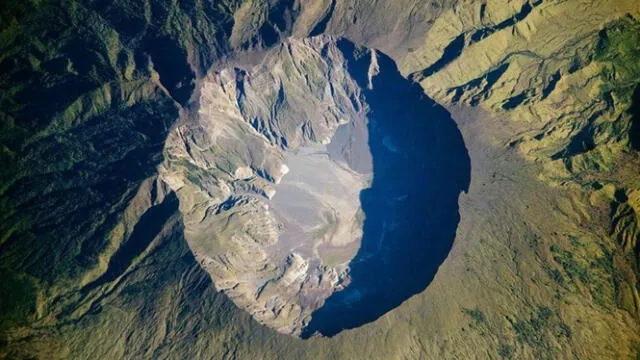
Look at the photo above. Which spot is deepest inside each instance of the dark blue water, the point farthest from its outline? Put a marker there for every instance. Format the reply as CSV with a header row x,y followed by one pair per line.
x,y
420,166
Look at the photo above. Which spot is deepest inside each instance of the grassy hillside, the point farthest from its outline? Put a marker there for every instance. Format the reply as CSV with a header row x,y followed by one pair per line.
x,y
545,261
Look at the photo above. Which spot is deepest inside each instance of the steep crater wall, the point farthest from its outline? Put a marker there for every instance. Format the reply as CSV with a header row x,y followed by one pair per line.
x,y
319,187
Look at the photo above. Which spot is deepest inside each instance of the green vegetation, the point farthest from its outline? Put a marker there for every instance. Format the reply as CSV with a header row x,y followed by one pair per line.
x,y
540,330
17,299
619,49
575,268
505,351
556,275
476,315
533,330
593,148
593,268
83,98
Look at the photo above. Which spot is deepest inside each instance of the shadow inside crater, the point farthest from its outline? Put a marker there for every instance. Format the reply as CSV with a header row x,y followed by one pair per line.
x,y
420,166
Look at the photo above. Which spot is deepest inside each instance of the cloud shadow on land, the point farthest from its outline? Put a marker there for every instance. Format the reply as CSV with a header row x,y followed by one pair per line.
x,y
420,167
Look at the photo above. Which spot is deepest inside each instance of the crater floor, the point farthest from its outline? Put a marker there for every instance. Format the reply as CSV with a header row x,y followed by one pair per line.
x,y
318,187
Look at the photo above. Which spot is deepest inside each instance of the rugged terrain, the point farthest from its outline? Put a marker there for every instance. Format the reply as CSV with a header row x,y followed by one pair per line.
x,y
254,164
103,101
320,157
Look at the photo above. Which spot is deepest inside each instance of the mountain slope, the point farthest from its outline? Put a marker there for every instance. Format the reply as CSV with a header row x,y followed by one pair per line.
x,y
93,254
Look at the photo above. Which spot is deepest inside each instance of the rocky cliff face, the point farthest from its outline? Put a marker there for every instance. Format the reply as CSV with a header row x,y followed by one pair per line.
x,y
135,135
271,169
260,190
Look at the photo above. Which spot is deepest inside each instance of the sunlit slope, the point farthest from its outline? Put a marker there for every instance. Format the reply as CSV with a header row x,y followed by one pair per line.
x,y
545,262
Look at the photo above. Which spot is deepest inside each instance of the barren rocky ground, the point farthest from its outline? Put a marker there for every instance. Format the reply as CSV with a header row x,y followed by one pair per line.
x,y
319,179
